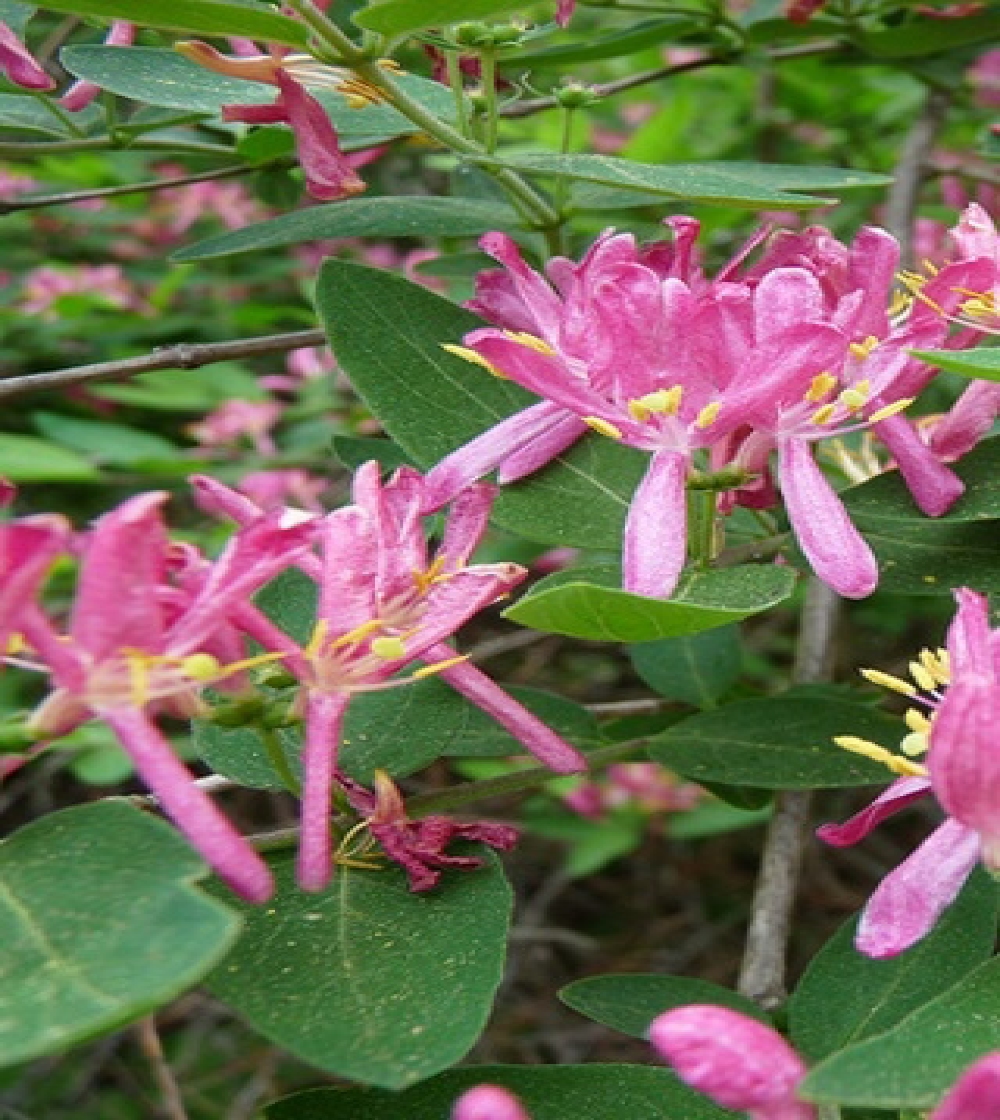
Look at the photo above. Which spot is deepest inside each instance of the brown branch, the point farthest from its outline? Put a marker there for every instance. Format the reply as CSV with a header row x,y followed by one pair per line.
x,y
182,356
152,1049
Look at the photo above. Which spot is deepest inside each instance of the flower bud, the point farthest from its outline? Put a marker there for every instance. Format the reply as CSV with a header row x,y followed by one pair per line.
x,y
488,1102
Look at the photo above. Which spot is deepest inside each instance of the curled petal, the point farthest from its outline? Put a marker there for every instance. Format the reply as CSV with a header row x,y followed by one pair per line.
x,y
81,93
901,793
967,422
834,548
909,900
532,456
934,487
655,543
17,63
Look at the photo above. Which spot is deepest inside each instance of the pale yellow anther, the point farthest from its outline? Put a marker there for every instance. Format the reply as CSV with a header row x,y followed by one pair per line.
x,y
471,356
359,633
890,410
533,342
638,411
823,415
437,667
923,678
917,721
930,266
915,744
944,659
708,415
822,385
357,101
316,639
864,348
876,753
932,663
899,303
853,399
15,644
604,427
424,581
887,680
389,649
201,666
672,399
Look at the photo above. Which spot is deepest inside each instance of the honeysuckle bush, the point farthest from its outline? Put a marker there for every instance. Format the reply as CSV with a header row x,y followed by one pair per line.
x,y
650,324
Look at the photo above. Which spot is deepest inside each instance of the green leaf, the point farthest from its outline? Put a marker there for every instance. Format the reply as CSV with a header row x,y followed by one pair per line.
x,y
586,603
27,114
367,980
697,182
931,36
399,17
388,335
352,451
913,1064
712,818
696,669
932,557
27,459
612,45
983,362
886,499
100,923
416,216
783,742
794,176
591,1092
845,997
629,1002
104,442
156,76
202,17
16,15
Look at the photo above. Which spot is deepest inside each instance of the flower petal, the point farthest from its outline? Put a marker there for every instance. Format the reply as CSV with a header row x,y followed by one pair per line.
x,y
324,720
974,1096
655,542
901,793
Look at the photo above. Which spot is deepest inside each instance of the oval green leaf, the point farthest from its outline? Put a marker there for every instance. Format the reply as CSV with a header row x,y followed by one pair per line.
x,y
367,980
417,216
26,459
630,1002
912,1065
783,742
931,557
586,603
845,997
591,1092
399,17
695,669
101,923
983,363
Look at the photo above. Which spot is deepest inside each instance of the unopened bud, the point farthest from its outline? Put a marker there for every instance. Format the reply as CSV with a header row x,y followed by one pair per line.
x,y
576,95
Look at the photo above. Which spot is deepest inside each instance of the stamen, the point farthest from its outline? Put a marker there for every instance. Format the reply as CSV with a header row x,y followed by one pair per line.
x,y
15,644
890,410
823,415
531,341
915,744
863,349
200,666
437,667
877,753
853,399
476,359
666,402
638,411
708,415
317,638
932,664
389,649
821,386
917,722
424,581
922,677
359,633
605,427
887,680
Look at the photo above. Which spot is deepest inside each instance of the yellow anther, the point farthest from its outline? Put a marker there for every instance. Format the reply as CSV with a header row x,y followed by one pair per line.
x,y
853,399
138,673
924,679
605,427
671,399
890,410
915,744
876,753
476,359
708,415
390,64
932,663
356,100
201,666
930,266
424,581
389,649
638,411
533,342
823,415
944,660
900,302
437,667
863,349
887,680
316,639
822,385
359,633
916,721
15,644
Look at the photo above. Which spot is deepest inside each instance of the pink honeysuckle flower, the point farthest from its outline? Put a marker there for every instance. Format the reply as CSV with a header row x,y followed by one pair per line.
x,y
419,846
105,283
28,546
81,93
290,486
330,174
564,11
734,1060
236,419
975,1095
139,647
383,603
984,77
17,62
488,1102
960,687
801,11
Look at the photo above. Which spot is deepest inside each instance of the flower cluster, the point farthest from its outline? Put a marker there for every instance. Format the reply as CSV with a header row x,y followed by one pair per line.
x,y
716,374
132,651
958,689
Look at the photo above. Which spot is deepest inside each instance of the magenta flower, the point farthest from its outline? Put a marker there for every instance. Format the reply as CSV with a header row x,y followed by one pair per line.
x,y
564,11
17,62
488,1102
383,603
81,93
736,1061
960,688
976,1094
139,647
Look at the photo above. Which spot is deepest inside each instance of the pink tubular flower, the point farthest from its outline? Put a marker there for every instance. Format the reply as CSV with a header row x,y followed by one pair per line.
x,y
81,93
488,1102
383,603
17,62
736,1061
141,646
960,687
237,418
976,1094
329,173
564,11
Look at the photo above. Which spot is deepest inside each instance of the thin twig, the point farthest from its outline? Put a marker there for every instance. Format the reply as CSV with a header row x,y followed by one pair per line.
x,y
762,976
39,201
152,1049
212,783
644,705
908,177
182,356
